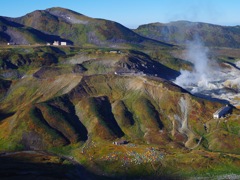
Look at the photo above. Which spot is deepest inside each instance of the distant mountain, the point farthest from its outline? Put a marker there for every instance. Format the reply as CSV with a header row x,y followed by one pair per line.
x,y
180,32
82,30
61,24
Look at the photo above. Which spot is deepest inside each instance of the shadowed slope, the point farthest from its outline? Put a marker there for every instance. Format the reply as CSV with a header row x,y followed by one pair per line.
x,y
17,33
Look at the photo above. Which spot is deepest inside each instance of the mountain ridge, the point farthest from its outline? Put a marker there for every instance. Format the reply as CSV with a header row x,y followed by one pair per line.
x,y
79,29
179,32
84,31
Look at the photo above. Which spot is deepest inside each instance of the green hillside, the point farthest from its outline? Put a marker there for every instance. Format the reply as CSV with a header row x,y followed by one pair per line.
x,y
85,31
180,32
15,62
81,116
15,33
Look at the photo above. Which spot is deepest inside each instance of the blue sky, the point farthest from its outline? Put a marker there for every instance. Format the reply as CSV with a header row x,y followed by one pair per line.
x,y
132,13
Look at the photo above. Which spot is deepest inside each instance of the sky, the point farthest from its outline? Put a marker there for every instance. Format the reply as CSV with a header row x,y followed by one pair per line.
x,y
133,13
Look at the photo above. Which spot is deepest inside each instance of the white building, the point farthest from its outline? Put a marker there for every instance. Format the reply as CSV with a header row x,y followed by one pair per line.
x,y
222,112
11,43
121,142
63,43
56,43
115,52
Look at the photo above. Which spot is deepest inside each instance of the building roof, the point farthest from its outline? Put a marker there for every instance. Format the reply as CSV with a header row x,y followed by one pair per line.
x,y
225,108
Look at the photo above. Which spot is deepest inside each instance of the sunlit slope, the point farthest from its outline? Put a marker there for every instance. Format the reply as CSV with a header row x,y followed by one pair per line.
x,y
80,30
180,32
68,109
45,61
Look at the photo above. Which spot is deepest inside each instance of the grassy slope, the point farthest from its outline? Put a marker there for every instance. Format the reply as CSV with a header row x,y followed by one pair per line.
x,y
16,62
19,34
85,31
69,113
58,106
182,31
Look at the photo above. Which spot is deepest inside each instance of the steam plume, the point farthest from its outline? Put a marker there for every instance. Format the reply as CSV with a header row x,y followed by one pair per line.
x,y
201,73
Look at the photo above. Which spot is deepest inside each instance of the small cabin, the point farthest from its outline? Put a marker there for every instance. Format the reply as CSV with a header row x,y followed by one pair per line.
x,y
222,112
115,52
56,43
63,43
122,142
